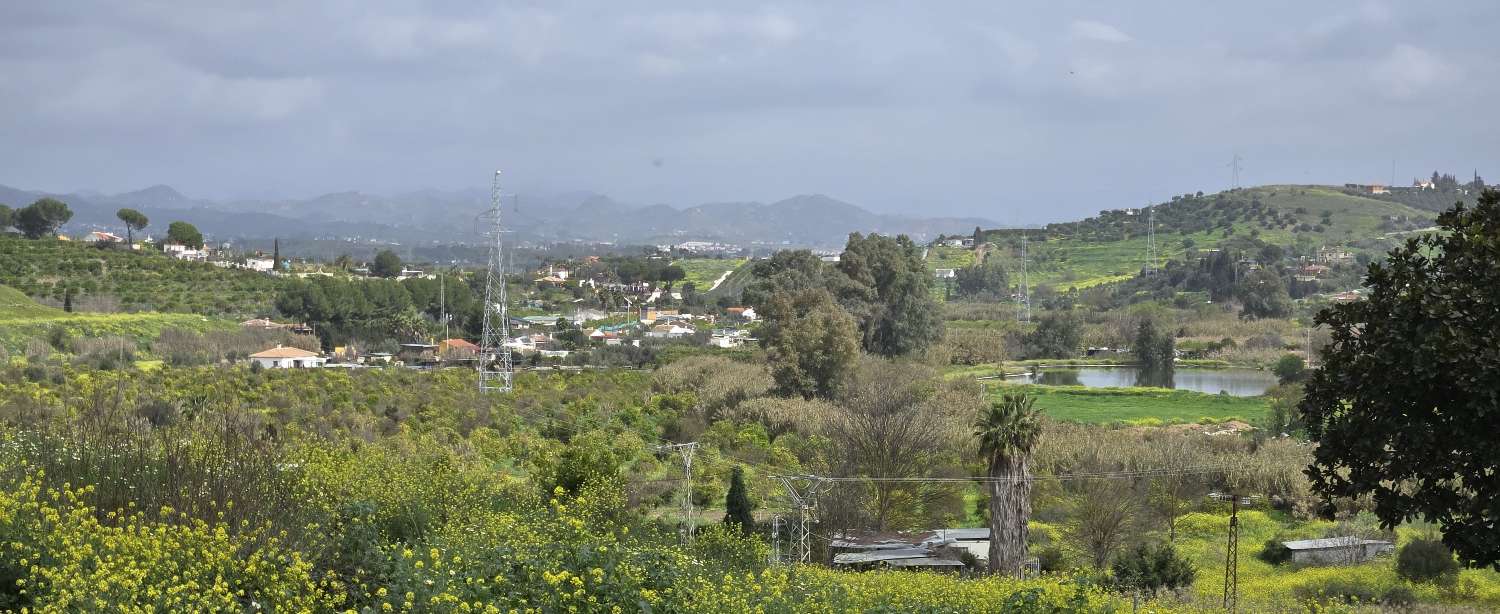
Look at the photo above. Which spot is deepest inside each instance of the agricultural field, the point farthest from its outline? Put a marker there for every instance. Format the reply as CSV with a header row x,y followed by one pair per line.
x,y
122,280
23,320
704,272
1144,406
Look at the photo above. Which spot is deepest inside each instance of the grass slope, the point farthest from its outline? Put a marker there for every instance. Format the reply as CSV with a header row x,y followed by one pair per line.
x,y
1111,247
132,280
22,319
703,272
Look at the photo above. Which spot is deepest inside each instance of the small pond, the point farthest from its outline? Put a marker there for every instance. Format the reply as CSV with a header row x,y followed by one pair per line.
x,y
1236,382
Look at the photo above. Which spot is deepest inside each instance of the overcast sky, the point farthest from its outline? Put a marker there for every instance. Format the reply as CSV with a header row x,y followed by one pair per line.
x,y
922,107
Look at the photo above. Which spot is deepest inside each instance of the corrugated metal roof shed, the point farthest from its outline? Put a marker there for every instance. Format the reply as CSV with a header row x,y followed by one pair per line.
x,y
858,558
925,562
1330,542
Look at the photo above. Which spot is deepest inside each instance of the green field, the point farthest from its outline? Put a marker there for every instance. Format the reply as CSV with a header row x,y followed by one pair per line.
x,y
22,319
1136,405
703,272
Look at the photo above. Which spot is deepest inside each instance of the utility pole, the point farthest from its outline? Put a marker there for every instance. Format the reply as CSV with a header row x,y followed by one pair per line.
x,y
803,492
685,450
495,368
443,302
1234,165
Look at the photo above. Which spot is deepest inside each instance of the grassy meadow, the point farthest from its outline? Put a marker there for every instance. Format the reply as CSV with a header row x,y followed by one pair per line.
x,y
1142,406
703,272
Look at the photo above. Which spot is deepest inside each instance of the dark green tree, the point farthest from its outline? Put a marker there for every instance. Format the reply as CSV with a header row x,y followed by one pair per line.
x,y
42,218
784,271
738,511
1290,369
276,254
1150,568
7,217
1057,335
671,275
183,233
1264,295
985,280
1404,407
387,264
134,220
1155,351
810,342
888,290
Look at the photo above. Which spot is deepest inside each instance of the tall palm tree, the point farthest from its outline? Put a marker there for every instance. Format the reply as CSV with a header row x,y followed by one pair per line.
x,y
1007,432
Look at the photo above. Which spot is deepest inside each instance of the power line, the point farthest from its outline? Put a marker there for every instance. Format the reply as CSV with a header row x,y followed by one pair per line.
x,y
1101,475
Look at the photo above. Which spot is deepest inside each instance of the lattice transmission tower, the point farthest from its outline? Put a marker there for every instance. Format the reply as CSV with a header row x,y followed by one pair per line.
x,y
1025,313
1151,255
495,368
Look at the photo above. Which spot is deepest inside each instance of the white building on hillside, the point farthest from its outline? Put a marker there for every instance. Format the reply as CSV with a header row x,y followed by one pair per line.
x,y
280,357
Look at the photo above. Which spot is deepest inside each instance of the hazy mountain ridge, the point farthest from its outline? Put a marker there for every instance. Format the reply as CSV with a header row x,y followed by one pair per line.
x,y
443,216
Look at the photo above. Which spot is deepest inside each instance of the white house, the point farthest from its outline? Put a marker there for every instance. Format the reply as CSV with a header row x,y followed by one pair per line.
x,y
668,331
99,236
944,273
260,264
280,357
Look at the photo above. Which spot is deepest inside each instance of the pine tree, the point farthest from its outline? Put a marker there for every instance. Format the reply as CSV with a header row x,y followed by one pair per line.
x,y
737,507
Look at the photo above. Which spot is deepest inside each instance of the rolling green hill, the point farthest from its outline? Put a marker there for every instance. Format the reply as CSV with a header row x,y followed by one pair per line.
x,y
1111,246
131,280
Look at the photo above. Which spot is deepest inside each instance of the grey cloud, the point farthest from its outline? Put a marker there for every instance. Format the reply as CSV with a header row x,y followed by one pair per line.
x,y
976,108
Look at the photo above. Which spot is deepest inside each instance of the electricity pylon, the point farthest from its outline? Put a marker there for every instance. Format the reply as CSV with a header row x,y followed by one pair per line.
x,y
495,368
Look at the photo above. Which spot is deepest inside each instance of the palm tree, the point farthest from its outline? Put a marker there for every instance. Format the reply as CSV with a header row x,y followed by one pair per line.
x,y
1007,432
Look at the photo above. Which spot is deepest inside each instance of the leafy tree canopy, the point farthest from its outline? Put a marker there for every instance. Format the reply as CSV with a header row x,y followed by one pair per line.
x,y
387,264
982,280
1404,408
42,218
184,233
134,220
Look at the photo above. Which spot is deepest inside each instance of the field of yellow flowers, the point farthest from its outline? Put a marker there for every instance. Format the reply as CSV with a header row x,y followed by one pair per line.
x,y
203,489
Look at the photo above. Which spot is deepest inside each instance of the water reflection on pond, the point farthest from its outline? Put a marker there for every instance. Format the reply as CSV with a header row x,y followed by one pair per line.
x,y
1236,382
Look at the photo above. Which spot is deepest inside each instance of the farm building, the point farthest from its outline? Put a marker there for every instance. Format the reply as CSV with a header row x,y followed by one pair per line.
x,y
280,357
1336,550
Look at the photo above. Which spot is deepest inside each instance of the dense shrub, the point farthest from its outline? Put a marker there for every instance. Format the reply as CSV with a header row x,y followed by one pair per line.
x,y
1275,552
1426,560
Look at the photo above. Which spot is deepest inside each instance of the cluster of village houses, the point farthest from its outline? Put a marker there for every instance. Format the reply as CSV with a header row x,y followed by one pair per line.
x,y
254,262
538,336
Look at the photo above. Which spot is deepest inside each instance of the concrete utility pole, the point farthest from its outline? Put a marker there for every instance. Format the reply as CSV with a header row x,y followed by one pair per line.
x,y
495,368
686,451
803,492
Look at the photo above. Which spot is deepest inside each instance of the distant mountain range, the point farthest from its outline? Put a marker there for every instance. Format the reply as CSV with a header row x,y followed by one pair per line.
x,y
454,217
